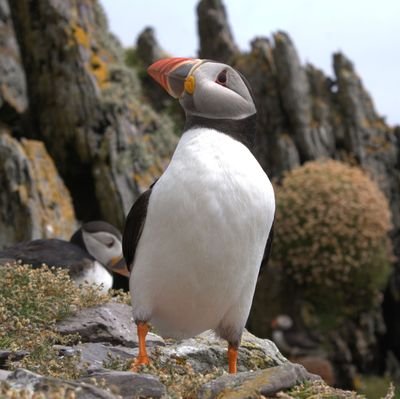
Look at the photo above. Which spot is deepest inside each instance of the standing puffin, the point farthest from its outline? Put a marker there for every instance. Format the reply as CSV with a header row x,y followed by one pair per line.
x,y
93,254
194,241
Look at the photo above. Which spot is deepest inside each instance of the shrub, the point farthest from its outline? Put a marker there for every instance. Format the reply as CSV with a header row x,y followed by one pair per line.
x,y
331,235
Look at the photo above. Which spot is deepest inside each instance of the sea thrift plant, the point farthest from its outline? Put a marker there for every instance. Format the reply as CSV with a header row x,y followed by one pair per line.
x,y
331,234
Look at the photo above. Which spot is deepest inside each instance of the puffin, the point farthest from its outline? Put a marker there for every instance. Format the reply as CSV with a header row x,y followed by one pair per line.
x,y
93,255
195,240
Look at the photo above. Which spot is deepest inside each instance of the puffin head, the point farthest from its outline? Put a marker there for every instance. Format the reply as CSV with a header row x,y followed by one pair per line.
x,y
104,243
205,88
212,94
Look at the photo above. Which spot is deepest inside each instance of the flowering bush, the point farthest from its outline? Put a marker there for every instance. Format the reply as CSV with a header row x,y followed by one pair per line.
x,y
331,234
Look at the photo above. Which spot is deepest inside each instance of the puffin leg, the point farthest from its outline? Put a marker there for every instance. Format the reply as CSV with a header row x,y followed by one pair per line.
x,y
142,330
232,357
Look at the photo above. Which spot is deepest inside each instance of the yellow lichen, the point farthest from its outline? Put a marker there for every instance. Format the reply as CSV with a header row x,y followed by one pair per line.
x,y
81,36
56,221
98,67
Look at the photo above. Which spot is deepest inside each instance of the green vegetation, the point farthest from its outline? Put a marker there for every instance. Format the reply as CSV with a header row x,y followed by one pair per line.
x,y
331,237
31,302
318,390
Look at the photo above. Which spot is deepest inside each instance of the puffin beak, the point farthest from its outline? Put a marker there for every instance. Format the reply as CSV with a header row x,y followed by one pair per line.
x,y
118,265
175,74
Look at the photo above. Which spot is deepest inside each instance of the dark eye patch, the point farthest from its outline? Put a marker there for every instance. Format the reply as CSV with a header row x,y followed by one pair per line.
x,y
222,77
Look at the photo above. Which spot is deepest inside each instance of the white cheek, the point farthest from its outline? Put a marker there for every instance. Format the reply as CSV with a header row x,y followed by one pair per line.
x,y
218,102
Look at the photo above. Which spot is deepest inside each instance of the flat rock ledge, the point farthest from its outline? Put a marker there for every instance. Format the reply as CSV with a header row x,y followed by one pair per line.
x,y
252,384
109,342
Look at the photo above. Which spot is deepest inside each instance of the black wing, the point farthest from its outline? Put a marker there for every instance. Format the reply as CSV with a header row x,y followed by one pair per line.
x,y
52,252
267,251
134,227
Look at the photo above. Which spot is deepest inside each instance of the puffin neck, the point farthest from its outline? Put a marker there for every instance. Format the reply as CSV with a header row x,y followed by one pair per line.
x,y
242,130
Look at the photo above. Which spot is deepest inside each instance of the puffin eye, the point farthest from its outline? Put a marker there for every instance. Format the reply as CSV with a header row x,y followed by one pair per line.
x,y
109,242
222,78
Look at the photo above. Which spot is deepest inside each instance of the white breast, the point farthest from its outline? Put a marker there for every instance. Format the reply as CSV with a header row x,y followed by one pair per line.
x,y
97,274
207,224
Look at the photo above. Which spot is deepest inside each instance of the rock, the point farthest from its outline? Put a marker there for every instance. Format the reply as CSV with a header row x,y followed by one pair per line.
x,y
253,384
7,355
110,146
147,47
206,351
13,96
34,203
26,380
111,322
95,356
216,39
4,374
130,385
294,88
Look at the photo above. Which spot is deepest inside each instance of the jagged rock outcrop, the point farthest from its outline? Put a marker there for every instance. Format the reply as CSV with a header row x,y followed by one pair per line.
x,y
107,145
34,201
147,47
216,38
13,96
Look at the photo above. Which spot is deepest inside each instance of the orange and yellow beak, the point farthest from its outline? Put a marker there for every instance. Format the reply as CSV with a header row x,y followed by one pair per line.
x,y
118,265
175,75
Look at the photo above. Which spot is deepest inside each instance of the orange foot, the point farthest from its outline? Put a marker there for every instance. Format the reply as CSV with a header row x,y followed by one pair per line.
x,y
232,358
142,359
139,361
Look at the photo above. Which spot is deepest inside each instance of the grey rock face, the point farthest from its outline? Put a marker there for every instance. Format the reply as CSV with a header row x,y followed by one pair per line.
x,y
4,374
26,380
110,146
13,96
97,356
130,385
148,48
253,384
34,203
216,39
112,323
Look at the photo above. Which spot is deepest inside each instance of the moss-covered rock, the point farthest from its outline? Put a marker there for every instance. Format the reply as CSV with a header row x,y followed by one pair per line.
x,y
34,202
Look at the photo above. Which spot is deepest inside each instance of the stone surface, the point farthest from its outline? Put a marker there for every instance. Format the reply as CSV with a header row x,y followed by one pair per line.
x,y
26,380
98,356
111,322
6,355
109,145
13,96
129,385
215,35
147,47
253,384
34,203
4,374
206,351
